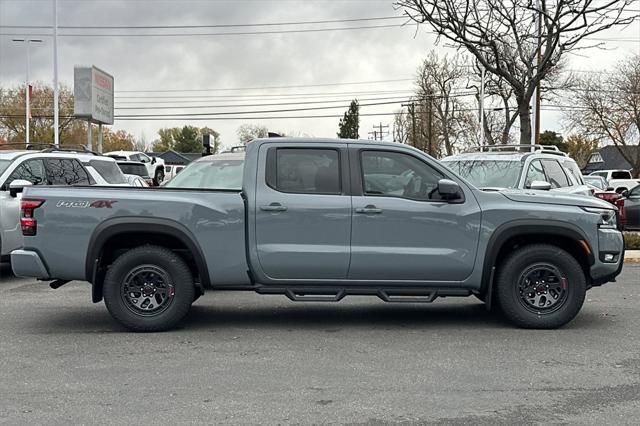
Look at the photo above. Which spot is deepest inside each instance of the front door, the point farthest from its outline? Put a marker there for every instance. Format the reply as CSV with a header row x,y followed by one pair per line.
x,y
303,213
402,229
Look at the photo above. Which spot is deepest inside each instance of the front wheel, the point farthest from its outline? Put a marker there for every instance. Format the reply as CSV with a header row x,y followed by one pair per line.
x,y
149,288
540,286
158,177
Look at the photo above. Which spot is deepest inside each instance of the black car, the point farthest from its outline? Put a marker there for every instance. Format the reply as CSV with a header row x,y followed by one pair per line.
x,y
632,209
135,168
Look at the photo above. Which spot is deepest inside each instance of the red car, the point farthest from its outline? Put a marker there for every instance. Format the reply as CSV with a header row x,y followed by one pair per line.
x,y
600,188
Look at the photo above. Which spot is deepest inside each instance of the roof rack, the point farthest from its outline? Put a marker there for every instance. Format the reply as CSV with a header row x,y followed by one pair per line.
x,y
547,149
49,147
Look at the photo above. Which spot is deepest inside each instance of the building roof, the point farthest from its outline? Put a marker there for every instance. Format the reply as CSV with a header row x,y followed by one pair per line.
x,y
610,158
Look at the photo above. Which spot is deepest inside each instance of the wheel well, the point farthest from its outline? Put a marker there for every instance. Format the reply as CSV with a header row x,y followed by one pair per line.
x,y
120,243
570,245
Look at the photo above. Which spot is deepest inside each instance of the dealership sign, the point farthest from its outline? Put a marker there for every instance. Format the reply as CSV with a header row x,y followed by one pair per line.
x,y
93,95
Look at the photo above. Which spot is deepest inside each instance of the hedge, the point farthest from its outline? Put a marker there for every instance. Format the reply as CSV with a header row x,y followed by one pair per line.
x,y
632,241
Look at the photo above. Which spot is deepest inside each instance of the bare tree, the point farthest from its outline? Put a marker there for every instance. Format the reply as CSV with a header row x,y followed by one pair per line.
x,y
503,36
439,82
401,127
608,107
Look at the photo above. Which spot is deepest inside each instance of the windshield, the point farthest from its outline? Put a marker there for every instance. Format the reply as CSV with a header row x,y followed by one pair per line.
x,y
488,173
595,181
216,174
3,165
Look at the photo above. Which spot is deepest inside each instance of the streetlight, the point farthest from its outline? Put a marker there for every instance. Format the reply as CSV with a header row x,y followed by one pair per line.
x,y
27,41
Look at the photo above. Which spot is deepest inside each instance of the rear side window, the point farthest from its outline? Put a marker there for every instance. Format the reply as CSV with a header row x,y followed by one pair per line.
x,y
109,171
64,171
306,171
620,175
30,170
554,173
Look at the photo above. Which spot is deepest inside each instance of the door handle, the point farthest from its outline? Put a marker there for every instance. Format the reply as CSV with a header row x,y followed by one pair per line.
x,y
273,207
369,209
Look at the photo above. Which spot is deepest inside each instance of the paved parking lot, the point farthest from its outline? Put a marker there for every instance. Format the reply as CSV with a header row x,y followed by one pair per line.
x,y
245,358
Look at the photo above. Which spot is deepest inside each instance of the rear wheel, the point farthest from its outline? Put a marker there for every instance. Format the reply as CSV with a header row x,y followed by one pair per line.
x,y
149,288
540,286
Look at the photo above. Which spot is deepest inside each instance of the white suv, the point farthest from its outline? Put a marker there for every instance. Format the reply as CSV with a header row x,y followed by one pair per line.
x,y
19,169
154,165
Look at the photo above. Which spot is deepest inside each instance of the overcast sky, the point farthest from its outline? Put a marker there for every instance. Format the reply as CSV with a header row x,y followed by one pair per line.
x,y
241,61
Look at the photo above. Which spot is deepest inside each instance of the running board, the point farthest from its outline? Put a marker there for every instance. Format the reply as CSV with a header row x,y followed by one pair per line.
x,y
390,295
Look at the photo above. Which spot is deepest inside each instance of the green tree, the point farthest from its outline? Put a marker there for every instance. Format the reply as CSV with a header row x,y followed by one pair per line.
x,y
549,137
349,125
580,147
187,140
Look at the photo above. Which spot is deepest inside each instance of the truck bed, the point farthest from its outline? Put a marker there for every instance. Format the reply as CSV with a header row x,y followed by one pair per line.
x,y
72,216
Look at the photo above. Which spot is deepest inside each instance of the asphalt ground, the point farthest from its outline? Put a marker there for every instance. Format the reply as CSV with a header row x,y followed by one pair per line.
x,y
242,358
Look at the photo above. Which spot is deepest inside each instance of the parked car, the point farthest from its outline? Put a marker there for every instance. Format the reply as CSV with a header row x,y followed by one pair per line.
x,y
22,168
619,180
154,165
602,189
507,166
135,168
138,181
171,170
317,220
632,209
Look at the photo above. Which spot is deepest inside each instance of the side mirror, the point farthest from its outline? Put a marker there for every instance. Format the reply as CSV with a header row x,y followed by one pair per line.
x,y
449,190
153,160
540,185
625,194
610,188
17,186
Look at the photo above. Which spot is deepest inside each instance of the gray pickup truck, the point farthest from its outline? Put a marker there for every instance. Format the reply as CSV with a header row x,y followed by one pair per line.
x,y
317,220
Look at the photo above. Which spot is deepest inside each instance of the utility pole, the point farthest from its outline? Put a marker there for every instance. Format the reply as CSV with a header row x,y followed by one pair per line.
x,y
27,94
412,112
56,92
482,77
380,132
539,58
430,123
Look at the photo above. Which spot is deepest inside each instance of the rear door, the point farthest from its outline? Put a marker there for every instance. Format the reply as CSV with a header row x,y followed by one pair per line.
x,y
402,229
30,170
303,212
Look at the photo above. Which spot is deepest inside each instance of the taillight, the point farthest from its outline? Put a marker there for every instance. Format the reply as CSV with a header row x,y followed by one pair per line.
x,y
28,223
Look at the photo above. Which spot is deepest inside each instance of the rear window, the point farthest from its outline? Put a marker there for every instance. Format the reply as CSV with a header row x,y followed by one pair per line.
x,y
133,169
109,171
620,175
210,174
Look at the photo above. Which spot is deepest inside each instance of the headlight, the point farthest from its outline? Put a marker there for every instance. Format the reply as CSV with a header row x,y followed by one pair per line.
x,y
608,217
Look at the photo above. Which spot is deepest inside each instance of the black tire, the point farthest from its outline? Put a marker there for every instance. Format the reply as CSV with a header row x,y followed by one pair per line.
x,y
158,177
540,306
122,281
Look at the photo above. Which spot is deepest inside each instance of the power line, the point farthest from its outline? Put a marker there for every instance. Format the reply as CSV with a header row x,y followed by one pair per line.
x,y
157,27
268,87
237,33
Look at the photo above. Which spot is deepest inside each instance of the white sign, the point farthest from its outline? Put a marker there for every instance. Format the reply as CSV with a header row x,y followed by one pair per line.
x,y
93,95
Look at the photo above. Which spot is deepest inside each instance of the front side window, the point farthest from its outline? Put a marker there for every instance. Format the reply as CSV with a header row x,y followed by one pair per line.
x,y
534,173
573,172
307,171
63,171
398,175
30,170
4,165
554,173
144,158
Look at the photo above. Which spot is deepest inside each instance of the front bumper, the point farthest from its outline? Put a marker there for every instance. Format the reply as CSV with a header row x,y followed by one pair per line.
x,y
610,241
26,263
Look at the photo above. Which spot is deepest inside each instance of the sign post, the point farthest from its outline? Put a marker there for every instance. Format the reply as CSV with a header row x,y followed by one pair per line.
x,y
93,99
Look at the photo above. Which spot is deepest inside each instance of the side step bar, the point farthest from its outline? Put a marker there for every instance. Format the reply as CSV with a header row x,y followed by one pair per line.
x,y
391,295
